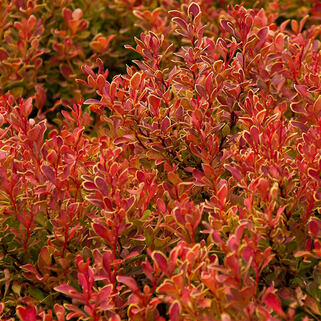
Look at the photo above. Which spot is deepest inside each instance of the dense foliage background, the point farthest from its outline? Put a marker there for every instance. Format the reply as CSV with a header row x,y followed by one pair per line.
x,y
160,160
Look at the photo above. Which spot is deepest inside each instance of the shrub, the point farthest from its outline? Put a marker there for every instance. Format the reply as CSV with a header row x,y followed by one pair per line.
x,y
187,188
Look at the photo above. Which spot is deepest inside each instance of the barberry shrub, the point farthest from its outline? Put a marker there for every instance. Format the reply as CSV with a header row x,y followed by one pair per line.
x,y
187,188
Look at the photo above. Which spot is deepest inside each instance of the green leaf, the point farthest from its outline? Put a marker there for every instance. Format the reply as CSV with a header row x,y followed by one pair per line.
x,y
147,214
37,293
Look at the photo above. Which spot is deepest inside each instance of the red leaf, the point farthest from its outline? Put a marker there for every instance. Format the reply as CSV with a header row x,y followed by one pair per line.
x,y
27,107
227,26
315,227
313,173
161,206
60,312
135,81
262,37
69,291
165,124
101,185
49,173
297,108
89,186
221,194
3,54
140,176
255,134
274,302
129,281
233,263
161,261
302,90
36,133
235,172
28,313
300,125
180,22
209,82
175,311
154,103
65,71
94,101
167,287
105,296
129,256
194,9
108,203
317,105
102,232
67,13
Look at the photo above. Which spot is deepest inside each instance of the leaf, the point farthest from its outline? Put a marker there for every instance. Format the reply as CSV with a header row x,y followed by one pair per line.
x,y
302,90
131,255
165,124
279,42
315,227
146,215
209,82
167,287
140,176
295,26
173,178
129,281
262,37
227,26
317,105
161,206
3,54
90,186
49,173
36,133
175,311
312,304
233,263
101,185
36,293
193,9
3,154
44,258
297,108
154,155
315,174
154,103
28,313
68,290
255,133
94,101
67,14
221,194
103,232
274,302
135,81
65,71
161,261
180,22
235,172
300,125
104,297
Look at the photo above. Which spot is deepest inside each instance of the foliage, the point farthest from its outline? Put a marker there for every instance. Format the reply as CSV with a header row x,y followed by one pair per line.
x,y
186,188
